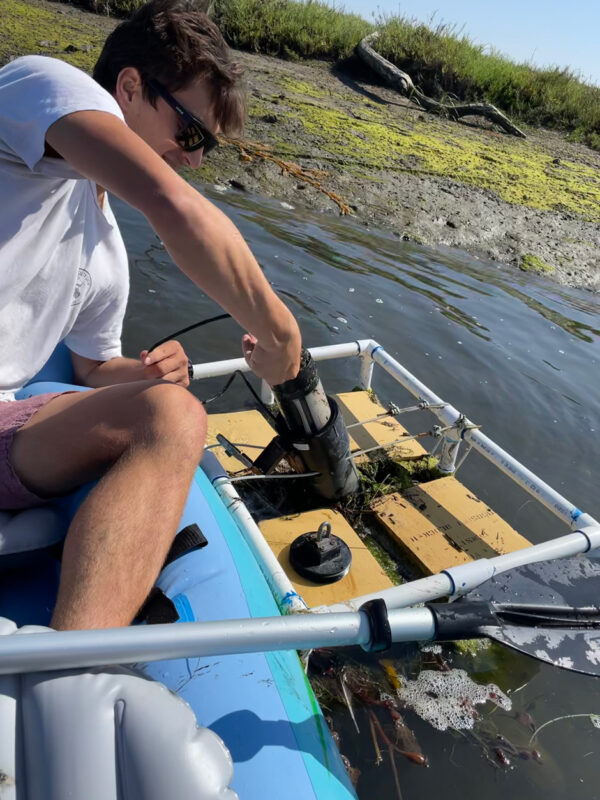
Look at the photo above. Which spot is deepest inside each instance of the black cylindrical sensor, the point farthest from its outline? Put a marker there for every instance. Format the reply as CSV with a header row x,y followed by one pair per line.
x,y
313,425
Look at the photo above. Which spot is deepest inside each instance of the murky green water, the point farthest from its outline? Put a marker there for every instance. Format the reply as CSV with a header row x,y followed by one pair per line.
x,y
518,354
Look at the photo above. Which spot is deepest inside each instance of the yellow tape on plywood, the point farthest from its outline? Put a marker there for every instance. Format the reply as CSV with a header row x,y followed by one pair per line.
x,y
243,428
359,406
416,535
365,574
441,523
464,519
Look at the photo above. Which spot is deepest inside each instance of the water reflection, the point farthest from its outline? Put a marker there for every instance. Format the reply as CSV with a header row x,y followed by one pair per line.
x,y
380,257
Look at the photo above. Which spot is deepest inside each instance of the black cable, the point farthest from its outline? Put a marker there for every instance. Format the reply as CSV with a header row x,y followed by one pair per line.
x,y
230,381
189,328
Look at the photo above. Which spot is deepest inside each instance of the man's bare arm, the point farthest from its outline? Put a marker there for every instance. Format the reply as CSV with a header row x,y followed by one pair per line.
x,y
167,362
202,241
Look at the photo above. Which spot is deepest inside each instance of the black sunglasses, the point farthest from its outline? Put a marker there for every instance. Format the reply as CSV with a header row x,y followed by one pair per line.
x,y
194,134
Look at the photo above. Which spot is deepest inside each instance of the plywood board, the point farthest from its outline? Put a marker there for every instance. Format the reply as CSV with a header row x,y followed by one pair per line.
x,y
464,519
243,428
359,406
365,573
422,541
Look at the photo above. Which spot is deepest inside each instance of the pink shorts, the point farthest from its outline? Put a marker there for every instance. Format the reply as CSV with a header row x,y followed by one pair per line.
x,y
13,415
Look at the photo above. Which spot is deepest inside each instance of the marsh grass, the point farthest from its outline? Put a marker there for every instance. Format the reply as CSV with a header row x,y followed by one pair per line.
x,y
445,62
290,29
442,60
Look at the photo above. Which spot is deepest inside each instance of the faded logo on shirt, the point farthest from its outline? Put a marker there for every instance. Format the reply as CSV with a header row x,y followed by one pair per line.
x,y
84,281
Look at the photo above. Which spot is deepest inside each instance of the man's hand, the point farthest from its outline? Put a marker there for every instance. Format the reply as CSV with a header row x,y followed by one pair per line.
x,y
274,367
167,362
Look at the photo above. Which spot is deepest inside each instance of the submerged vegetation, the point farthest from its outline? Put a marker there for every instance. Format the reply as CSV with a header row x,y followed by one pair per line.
x,y
384,697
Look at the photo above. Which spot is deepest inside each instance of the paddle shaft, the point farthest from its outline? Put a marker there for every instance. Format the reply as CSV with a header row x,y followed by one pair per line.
x,y
51,650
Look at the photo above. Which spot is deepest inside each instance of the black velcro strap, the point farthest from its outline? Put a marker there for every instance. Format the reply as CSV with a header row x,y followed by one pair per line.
x,y
189,538
158,609
381,633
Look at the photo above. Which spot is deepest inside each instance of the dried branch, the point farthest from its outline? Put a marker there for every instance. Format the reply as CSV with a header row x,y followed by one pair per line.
x,y
402,82
253,150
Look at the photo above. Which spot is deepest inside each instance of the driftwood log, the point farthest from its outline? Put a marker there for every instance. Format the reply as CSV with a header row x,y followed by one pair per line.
x,y
402,82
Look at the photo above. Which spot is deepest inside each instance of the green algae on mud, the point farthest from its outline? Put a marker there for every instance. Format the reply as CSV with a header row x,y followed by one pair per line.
x,y
431,180
34,29
531,263
519,172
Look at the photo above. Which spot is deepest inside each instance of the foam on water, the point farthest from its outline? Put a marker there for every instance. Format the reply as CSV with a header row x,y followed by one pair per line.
x,y
448,699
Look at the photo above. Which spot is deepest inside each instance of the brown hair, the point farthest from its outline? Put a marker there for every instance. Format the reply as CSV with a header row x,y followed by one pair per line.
x,y
174,43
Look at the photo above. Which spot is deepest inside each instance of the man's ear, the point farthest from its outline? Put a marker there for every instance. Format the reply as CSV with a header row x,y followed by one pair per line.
x,y
128,88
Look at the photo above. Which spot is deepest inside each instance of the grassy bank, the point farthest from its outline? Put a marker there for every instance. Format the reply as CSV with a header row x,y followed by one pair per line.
x,y
442,60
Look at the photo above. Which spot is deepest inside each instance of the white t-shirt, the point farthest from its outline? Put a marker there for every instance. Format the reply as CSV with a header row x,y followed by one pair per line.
x,y
63,264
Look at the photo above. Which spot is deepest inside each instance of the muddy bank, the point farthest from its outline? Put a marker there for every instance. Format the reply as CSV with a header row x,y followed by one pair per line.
x,y
531,204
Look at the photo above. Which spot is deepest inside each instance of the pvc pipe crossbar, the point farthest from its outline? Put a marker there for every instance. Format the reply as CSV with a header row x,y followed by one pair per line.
x,y
215,369
456,581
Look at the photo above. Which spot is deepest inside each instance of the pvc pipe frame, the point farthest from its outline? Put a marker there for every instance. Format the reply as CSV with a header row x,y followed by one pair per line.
x,y
546,495
369,352
52,650
457,580
33,652
286,597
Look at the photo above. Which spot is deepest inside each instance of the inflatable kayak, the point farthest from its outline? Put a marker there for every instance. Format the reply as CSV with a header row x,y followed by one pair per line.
x,y
261,705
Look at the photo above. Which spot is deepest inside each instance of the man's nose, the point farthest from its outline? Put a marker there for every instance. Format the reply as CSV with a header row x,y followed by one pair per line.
x,y
194,159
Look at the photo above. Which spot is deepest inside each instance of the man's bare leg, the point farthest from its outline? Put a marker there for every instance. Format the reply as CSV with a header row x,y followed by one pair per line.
x,y
144,441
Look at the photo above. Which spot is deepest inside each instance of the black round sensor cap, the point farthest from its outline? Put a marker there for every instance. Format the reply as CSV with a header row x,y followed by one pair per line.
x,y
320,556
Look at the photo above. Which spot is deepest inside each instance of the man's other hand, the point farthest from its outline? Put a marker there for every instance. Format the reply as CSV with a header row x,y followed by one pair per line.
x,y
167,362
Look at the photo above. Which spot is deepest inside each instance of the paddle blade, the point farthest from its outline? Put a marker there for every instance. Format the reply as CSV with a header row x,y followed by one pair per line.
x,y
549,610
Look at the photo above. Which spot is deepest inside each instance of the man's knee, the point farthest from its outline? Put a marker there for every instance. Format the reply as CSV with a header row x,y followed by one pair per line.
x,y
168,412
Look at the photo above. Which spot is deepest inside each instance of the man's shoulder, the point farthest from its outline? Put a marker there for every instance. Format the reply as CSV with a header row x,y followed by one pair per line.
x,y
44,69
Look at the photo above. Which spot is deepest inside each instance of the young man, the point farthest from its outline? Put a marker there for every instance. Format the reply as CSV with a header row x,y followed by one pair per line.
x,y
164,87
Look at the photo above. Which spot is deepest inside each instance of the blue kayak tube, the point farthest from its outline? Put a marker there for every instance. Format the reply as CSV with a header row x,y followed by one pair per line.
x,y
260,704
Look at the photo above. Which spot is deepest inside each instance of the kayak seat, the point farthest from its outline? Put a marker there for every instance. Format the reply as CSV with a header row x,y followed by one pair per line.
x,y
108,733
31,529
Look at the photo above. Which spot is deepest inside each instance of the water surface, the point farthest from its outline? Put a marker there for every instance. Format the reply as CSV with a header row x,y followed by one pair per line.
x,y
516,353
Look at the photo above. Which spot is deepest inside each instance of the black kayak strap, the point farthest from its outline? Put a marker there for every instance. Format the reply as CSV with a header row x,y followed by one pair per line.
x,y
189,538
159,608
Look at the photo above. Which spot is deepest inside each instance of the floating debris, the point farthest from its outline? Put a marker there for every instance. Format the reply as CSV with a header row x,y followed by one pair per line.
x,y
390,671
